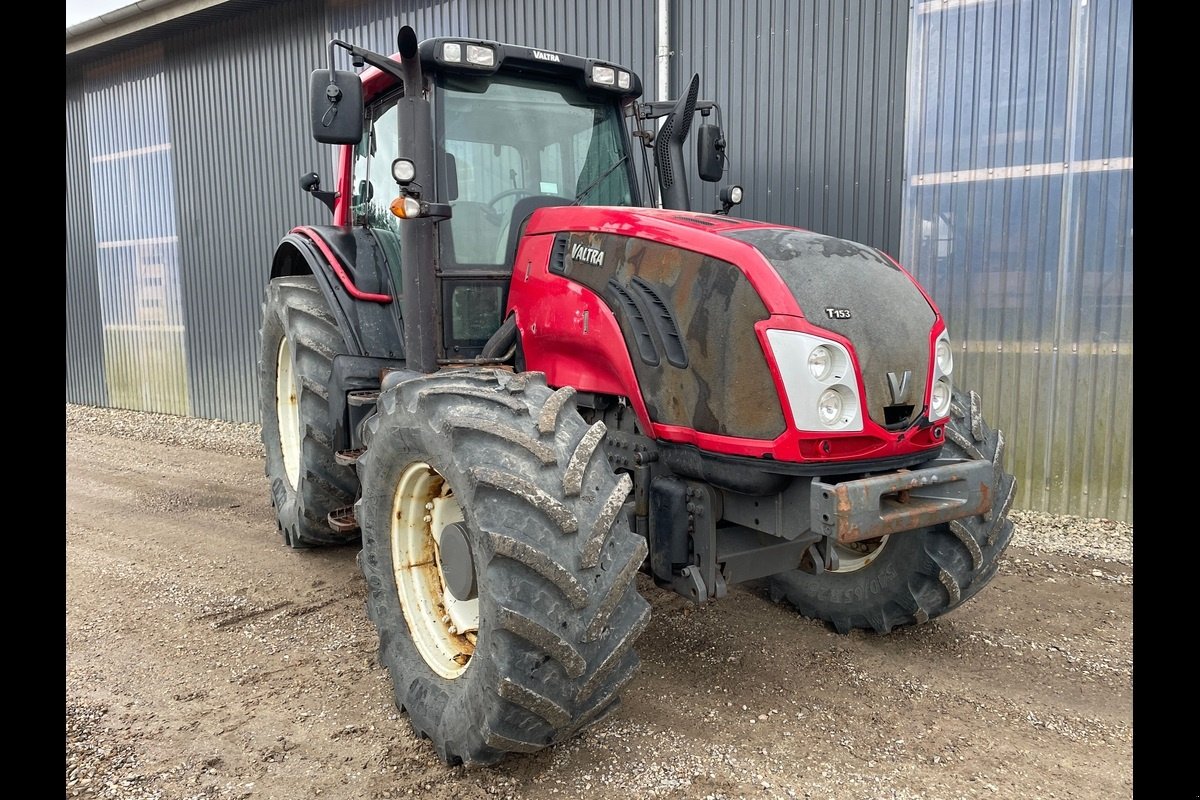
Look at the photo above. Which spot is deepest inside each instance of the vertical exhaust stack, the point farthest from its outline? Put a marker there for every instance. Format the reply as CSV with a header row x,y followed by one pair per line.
x,y
418,255
668,150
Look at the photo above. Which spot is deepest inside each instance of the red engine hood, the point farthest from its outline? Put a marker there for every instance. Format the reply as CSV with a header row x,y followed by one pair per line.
x,y
690,230
572,335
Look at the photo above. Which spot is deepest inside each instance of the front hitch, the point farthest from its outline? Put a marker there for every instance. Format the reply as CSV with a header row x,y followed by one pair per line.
x,y
867,508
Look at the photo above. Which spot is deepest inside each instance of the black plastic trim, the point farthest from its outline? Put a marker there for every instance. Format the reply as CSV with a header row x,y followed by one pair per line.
x,y
637,321
668,331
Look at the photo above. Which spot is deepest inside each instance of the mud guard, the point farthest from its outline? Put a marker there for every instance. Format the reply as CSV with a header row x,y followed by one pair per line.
x,y
352,271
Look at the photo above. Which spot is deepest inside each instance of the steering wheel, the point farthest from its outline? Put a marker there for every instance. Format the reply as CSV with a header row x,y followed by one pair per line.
x,y
510,193
487,210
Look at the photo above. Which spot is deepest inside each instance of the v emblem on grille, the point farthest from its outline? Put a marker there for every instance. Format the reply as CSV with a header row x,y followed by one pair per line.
x,y
899,386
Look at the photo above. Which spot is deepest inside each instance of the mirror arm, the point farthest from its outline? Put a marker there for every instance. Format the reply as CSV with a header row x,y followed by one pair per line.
x,y
328,199
660,108
438,211
360,55
333,93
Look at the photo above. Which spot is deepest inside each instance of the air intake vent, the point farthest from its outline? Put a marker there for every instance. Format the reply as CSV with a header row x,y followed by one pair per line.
x,y
665,175
558,254
660,315
637,322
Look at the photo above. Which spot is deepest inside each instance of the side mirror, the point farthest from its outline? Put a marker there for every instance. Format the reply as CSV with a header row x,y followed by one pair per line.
x,y
710,153
336,106
311,183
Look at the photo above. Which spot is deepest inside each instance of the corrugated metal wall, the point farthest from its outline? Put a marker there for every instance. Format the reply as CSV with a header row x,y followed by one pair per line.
x,y
129,174
813,102
1018,218
235,95
85,329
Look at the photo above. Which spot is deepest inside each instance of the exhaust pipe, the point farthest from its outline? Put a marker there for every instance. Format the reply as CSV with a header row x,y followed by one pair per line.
x,y
418,257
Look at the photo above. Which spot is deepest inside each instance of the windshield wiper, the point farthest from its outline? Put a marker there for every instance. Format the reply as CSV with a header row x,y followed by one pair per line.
x,y
579,197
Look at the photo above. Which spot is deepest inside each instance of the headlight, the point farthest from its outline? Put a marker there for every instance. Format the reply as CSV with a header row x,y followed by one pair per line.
x,y
467,54
941,390
605,76
939,399
945,359
820,362
403,171
829,407
818,381
483,56
601,75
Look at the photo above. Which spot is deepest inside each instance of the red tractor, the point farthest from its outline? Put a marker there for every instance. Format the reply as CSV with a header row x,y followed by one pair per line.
x,y
519,380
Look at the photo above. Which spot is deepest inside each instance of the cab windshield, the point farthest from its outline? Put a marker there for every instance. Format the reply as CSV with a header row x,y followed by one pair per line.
x,y
508,138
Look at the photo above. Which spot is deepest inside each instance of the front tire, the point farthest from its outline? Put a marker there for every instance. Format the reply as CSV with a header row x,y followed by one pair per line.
x,y
915,576
297,343
537,641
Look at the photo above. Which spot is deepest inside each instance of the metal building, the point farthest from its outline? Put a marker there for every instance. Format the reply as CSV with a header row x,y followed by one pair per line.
x,y
986,143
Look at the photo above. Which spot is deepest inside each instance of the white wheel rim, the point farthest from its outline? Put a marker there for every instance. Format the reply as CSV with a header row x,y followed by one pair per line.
x,y
443,628
287,411
858,555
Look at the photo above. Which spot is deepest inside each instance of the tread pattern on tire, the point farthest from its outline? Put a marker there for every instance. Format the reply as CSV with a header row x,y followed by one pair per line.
x,y
294,308
556,636
958,558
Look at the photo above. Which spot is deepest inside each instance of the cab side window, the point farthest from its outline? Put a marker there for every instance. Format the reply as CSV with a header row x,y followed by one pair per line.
x,y
373,188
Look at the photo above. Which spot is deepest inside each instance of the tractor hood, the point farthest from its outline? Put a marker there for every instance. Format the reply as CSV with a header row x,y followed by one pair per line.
x,y
854,290
700,301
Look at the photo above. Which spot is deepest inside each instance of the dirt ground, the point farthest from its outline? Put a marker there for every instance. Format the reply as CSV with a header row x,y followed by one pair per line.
x,y
206,660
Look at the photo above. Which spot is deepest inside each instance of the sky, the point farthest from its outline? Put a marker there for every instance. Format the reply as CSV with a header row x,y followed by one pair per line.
x,y
81,10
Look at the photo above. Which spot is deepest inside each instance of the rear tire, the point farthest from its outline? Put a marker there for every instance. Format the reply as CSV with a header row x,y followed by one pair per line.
x,y
297,343
548,644
915,576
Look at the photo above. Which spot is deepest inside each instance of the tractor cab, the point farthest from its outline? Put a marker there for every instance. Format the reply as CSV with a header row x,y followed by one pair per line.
x,y
507,144
510,143
513,139
497,132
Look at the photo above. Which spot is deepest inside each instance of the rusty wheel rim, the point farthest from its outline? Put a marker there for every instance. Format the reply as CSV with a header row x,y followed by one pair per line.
x,y
444,629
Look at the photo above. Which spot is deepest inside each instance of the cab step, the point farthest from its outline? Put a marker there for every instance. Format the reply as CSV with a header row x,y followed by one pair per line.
x,y
343,520
362,397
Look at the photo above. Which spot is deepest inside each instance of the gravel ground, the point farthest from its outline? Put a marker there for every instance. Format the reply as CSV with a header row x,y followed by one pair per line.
x,y
205,661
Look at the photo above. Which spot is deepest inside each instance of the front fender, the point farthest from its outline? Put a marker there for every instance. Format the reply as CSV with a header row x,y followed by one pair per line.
x,y
568,332
352,272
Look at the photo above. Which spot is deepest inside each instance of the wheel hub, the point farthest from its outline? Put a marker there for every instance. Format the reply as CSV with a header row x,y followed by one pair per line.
x,y
456,563
854,556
